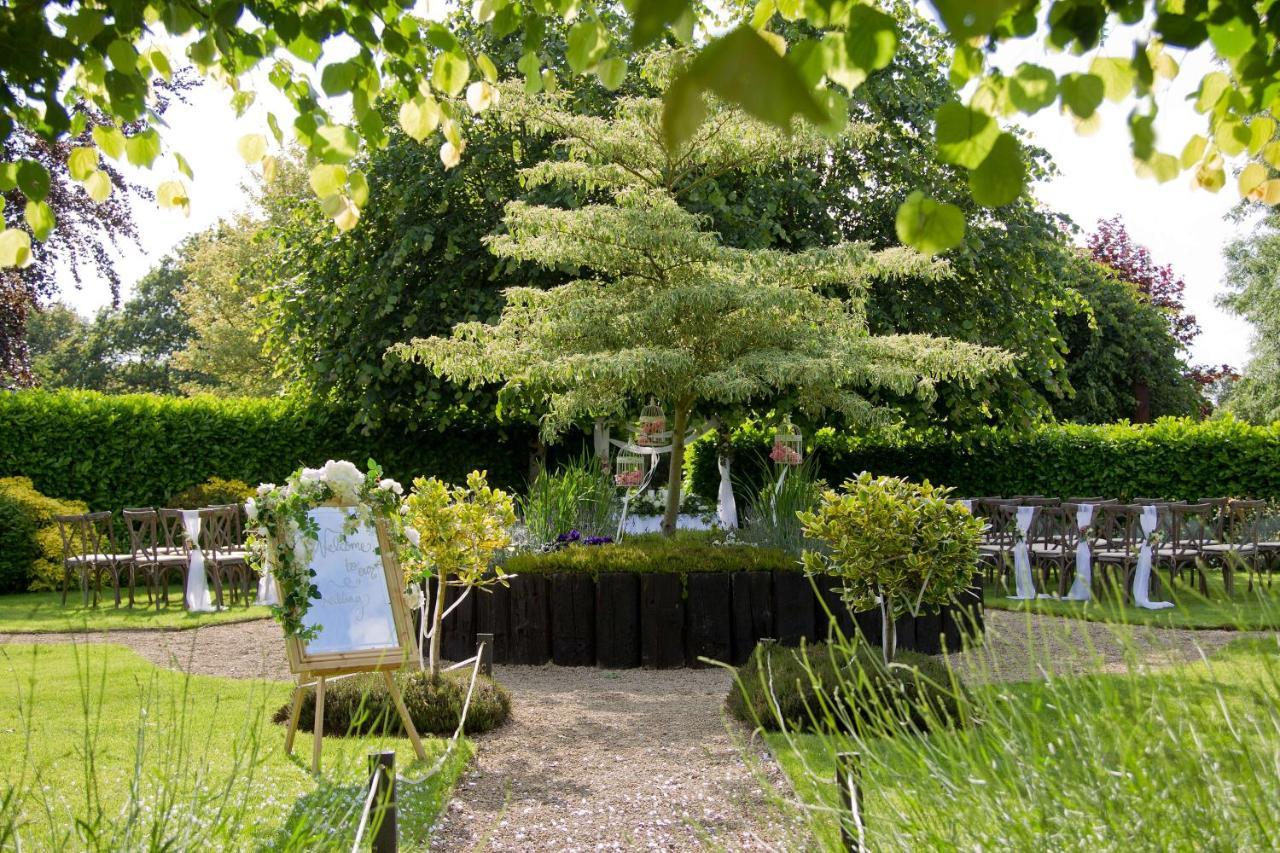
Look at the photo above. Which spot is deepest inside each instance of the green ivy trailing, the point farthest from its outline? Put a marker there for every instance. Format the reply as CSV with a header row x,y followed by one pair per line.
x,y
143,449
1173,458
283,535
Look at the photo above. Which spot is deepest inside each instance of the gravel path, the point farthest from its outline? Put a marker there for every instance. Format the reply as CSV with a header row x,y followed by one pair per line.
x,y
641,759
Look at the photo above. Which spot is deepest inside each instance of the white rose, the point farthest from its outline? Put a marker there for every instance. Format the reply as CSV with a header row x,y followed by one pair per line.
x,y
312,473
390,485
413,598
266,489
251,509
344,478
413,536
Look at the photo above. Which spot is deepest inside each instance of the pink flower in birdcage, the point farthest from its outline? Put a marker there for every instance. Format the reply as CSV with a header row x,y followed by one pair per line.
x,y
629,478
784,455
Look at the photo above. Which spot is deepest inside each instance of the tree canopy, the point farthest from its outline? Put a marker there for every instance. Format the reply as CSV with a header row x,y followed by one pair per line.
x,y
663,307
1253,292
111,56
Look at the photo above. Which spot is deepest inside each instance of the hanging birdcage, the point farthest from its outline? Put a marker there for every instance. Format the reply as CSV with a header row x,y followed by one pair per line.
x,y
788,444
628,469
652,429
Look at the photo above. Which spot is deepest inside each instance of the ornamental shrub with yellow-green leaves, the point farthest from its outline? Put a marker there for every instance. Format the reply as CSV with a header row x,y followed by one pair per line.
x,y
30,546
902,546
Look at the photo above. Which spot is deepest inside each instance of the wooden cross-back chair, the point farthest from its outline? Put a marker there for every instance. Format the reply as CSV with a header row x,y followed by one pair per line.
x,y
154,551
1191,528
89,552
1050,544
997,543
1241,539
220,534
1116,538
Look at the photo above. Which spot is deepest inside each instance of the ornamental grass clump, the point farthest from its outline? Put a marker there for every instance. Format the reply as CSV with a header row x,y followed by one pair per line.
x,y
904,547
579,495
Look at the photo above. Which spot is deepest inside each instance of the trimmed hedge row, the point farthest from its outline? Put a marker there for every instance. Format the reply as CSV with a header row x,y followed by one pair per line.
x,y
653,554
141,449
1173,458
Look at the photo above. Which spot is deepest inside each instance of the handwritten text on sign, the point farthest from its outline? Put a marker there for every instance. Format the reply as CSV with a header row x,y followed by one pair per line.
x,y
354,608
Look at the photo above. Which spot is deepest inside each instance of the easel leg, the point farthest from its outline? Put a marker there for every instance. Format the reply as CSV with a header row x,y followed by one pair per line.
x,y
404,715
295,710
319,727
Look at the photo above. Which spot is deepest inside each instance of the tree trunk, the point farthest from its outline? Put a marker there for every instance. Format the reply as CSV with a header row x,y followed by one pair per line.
x,y
675,477
436,627
888,631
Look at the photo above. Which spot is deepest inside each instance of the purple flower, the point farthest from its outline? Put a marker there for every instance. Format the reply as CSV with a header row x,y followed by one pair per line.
x,y
597,540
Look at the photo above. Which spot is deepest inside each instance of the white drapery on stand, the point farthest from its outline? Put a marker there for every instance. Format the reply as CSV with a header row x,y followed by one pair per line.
x,y
1142,574
1024,583
267,592
197,591
1082,585
726,506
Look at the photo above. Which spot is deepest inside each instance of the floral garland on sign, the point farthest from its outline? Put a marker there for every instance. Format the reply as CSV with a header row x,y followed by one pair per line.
x,y
282,535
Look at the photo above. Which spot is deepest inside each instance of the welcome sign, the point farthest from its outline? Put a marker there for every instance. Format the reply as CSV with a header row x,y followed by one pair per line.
x,y
360,616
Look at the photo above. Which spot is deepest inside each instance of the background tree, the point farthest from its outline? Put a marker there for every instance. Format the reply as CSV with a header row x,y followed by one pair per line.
x,y
1253,292
665,308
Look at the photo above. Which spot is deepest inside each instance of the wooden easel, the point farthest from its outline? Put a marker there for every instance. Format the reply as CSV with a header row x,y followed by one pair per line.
x,y
317,680
313,670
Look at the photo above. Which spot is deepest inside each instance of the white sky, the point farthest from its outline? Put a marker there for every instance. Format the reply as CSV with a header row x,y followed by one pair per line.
x,y
1182,226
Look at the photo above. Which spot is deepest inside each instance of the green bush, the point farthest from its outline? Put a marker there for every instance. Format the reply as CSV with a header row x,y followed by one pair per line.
x,y
360,704
652,553
141,449
30,546
842,686
213,492
1175,459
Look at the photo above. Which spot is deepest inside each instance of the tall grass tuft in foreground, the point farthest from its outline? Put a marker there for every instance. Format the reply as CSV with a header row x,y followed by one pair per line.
x,y
1182,756
580,495
769,514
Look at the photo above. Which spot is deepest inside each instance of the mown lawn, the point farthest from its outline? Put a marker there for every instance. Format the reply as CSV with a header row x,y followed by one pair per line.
x,y
1244,610
102,750
1182,758
42,612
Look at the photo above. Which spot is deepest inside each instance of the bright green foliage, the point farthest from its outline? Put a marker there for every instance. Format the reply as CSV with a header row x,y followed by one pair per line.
x,y
667,309
903,546
139,450
1174,459
460,529
652,554
579,495
1253,282
213,492
30,545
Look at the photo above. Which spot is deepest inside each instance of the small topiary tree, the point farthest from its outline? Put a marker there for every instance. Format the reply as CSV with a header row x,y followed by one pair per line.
x,y
454,532
895,544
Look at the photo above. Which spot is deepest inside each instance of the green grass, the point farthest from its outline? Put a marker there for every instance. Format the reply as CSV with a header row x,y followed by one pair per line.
x,y
1245,610
102,750
1180,758
42,612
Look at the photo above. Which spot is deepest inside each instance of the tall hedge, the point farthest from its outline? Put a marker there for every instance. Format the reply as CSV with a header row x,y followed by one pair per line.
x,y
141,449
1173,458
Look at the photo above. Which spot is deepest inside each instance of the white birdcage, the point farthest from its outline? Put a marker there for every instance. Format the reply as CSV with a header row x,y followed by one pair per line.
x,y
628,469
652,428
788,444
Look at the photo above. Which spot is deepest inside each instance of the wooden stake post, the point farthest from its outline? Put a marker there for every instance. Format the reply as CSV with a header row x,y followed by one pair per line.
x,y
314,669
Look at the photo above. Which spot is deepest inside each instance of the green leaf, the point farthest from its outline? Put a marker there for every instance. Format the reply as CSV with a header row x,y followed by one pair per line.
x,y
160,62
449,73
173,195
183,166
252,147
1251,177
1232,38
98,186
1261,130
33,180
419,117
1193,151
1212,87
965,18
123,56
612,72
531,68
588,43
487,69
8,176
110,140
1117,76
41,219
743,69
327,180
82,162
305,48
337,78
359,187
1002,176
871,38
1032,88
335,143
143,147
1082,93
929,226
651,17
964,135
15,248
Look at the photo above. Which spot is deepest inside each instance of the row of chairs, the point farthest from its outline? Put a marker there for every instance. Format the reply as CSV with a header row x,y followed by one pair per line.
x,y
159,551
1190,537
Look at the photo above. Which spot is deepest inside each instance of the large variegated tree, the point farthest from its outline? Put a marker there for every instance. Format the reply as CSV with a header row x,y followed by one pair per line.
x,y
662,308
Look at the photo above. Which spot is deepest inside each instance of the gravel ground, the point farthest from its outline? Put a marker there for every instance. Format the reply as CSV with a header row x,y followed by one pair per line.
x,y
642,759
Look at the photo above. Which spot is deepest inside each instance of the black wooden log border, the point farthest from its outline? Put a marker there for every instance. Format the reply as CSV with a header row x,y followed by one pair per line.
x,y
622,620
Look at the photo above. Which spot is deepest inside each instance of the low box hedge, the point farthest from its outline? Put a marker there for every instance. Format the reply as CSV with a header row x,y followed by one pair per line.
x,y
682,554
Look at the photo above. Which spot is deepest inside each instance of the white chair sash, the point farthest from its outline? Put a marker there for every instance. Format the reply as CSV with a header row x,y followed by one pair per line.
x,y
1024,583
727,507
197,591
1142,576
1082,585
